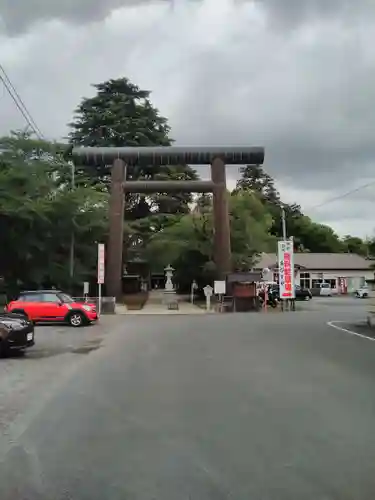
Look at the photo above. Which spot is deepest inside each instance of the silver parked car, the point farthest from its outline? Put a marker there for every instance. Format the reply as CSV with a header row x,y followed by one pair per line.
x,y
362,292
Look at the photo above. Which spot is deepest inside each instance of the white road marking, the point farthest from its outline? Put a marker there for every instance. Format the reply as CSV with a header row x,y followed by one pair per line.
x,y
351,332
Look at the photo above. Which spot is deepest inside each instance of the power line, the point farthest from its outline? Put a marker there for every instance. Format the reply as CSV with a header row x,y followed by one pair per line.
x,y
12,91
20,99
19,102
344,195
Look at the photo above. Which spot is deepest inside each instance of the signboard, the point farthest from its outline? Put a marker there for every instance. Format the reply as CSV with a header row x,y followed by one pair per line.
x,y
286,269
86,287
101,261
219,288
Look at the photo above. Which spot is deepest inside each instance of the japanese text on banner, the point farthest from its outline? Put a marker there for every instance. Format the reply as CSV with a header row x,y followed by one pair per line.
x,y
286,269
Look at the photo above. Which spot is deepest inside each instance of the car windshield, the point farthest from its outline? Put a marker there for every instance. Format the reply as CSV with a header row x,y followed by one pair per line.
x,y
66,298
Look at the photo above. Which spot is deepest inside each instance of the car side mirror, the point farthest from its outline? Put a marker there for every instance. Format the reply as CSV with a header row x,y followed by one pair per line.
x,y
60,302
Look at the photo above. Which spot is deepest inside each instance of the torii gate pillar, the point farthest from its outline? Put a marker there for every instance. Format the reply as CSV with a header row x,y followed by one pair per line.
x,y
116,230
222,246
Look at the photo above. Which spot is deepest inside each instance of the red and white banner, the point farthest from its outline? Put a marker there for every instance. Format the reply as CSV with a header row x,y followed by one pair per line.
x,y
101,263
286,269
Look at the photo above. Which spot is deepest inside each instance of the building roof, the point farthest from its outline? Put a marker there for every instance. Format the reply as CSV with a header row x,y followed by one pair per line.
x,y
320,261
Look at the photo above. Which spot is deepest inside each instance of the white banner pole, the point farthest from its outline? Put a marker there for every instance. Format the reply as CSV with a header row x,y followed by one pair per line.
x,y
99,299
101,273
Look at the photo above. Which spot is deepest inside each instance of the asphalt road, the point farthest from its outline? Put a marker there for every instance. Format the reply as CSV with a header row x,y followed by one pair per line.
x,y
245,406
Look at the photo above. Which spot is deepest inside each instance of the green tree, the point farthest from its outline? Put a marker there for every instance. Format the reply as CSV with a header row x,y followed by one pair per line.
x,y
308,235
293,214
317,238
122,114
371,247
39,211
188,243
254,178
203,203
353,244
250,229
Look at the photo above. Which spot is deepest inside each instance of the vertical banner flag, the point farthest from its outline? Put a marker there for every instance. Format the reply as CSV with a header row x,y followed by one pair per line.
x,y
286,269
101,263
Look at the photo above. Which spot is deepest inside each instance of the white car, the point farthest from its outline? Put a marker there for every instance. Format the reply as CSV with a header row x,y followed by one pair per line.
x,y
325,290
362,293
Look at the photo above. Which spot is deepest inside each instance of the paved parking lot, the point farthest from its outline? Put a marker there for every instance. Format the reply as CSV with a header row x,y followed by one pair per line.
x,y
277,406
334,303
60,349
57,352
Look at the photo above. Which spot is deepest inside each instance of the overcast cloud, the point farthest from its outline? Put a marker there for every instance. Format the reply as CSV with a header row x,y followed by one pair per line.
x,y
296,76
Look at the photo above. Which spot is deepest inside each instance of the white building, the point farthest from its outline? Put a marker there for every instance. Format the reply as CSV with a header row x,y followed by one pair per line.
x,y
344,271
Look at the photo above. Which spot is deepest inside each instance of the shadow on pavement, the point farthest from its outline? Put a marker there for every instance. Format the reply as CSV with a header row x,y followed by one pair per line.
x,y
56,350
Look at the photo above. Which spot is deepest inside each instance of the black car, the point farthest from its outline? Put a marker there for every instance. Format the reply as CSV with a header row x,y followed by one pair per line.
x,y
16,333
301,293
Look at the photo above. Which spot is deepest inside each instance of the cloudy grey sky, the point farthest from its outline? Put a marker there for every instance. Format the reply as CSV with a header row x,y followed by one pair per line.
x,y
297,76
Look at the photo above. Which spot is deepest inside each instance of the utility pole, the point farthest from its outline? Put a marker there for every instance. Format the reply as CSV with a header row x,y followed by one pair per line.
x,y
72,242
283,221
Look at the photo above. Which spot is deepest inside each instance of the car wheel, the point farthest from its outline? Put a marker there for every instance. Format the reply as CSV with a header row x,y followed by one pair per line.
x,y
307,297
76,319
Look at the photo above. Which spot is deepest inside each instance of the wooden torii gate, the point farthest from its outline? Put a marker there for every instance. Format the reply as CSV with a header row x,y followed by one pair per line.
x,y
120,158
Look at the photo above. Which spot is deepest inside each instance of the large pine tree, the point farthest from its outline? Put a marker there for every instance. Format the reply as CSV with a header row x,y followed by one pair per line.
x,y
122,114
254,178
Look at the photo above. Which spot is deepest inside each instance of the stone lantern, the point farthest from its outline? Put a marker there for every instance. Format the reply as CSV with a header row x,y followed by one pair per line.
x,y
170,297
169,275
